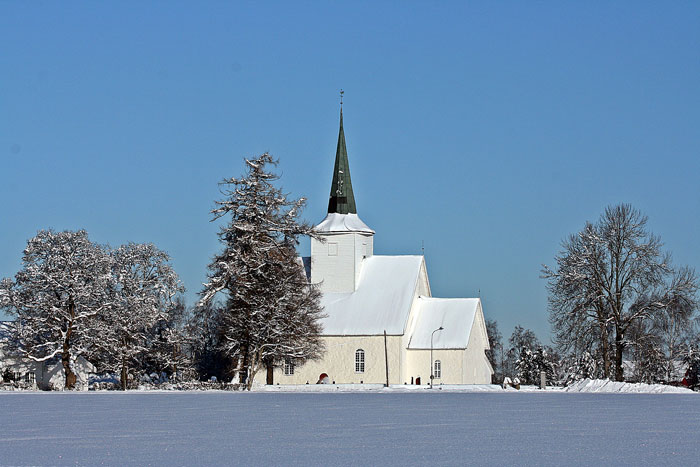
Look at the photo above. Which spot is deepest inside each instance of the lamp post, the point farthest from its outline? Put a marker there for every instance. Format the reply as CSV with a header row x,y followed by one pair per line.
x,y
431,356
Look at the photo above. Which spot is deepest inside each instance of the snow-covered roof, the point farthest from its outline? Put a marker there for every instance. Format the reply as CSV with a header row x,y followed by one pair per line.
x,y
455,315
335,222
382,301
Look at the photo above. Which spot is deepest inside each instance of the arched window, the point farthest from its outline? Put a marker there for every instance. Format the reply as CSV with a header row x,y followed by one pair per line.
x,y
288,367
437,371
359,361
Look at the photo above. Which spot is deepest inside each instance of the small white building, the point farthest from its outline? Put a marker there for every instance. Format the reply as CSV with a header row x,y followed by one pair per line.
x,y
31,374
382,320
25,372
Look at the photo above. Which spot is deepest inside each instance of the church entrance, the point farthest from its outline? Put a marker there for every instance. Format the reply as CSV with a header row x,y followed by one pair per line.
x,y
418,380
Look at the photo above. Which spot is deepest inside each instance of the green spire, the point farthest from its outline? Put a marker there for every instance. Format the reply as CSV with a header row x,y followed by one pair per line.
x,y
342,200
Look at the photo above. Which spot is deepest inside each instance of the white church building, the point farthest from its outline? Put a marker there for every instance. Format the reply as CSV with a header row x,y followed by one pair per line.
x,y
382,323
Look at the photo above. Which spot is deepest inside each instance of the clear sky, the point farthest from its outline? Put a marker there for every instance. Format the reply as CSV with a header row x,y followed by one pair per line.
x,y
488,131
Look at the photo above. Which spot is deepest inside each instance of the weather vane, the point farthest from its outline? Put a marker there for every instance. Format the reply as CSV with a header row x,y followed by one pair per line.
x,y
341,96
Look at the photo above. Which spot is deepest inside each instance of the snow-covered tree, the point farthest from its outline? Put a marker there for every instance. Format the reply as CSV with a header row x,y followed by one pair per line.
x,y
271,312
520,339
532,362
169,344
581,367
691,360
61,292
610,276
144,286
204,329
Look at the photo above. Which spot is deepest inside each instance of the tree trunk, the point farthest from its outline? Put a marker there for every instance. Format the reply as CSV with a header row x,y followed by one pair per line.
x,y
253,366
243,372
605,348
71,377
270,380
619,348
125,374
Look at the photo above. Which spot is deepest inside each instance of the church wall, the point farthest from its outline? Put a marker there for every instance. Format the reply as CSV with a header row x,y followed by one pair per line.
x,y
452,360
422,289
338,362
478,369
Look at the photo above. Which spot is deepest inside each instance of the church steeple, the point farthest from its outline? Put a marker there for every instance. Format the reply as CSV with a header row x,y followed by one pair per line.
x,y
342,199
343,241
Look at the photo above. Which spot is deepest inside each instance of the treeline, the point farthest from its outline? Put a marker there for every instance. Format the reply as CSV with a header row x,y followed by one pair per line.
x,y
619,309
122,310
617,303
524,356
117,308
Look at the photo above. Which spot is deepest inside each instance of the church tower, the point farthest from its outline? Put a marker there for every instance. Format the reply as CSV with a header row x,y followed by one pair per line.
x,y
337,261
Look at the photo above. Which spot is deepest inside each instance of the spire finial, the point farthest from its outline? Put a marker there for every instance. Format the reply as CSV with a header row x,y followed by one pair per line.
x,y
341,98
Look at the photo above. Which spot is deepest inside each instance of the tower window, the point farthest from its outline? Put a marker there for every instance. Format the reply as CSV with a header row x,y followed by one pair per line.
x,y
332,249
437,371
359,361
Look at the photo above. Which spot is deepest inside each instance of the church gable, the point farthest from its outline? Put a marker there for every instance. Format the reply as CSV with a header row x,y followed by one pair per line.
x,y
457,317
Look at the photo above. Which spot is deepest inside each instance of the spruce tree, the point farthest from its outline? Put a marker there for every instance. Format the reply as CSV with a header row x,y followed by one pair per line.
x,y
271,312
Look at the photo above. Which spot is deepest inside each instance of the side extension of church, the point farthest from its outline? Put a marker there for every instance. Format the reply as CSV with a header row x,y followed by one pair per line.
x,y
381,318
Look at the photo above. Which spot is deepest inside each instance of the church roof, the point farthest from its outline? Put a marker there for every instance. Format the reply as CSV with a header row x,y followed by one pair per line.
x,y
335,222
342,199
456,317
382,301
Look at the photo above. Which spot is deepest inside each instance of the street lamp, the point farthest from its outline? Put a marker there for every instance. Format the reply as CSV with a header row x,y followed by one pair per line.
x,y
431,355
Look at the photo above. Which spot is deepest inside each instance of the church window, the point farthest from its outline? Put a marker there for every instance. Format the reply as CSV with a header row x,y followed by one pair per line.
x,y
359,361
288,367
332,249
438,369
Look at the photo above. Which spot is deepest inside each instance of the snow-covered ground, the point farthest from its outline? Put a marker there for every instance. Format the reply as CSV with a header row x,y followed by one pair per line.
x,y
586,385
390,427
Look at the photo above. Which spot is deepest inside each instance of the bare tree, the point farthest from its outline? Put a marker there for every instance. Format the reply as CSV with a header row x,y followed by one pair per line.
x,y
610,276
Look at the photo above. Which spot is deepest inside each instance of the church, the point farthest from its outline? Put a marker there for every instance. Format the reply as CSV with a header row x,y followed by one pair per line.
x,y
382,323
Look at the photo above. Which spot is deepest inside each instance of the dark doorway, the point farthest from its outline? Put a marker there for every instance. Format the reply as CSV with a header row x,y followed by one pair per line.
x,y
418,380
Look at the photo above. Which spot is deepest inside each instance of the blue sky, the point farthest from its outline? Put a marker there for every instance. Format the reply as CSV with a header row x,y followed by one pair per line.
x,y
487,131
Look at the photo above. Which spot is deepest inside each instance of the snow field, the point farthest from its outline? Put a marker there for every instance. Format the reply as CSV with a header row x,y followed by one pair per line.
x,y
355,428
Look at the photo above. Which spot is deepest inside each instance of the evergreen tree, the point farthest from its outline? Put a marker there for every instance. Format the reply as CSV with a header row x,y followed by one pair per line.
x,y
271,312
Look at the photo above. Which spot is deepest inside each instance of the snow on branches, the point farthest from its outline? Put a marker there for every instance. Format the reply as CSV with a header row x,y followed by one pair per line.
x,y
144,287
58,296
271,312
613,285
74,298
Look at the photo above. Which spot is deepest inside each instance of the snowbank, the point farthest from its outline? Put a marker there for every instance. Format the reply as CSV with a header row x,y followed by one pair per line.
x,y
605,385
584,386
